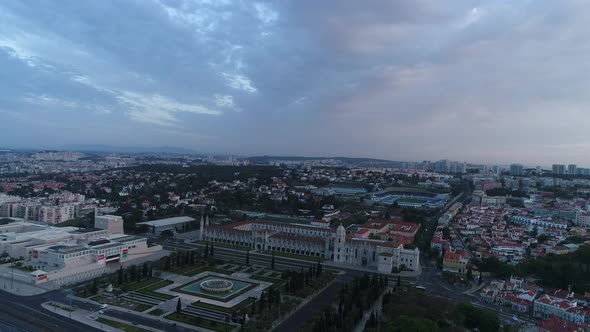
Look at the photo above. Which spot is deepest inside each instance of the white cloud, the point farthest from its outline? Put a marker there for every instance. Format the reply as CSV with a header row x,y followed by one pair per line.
x,y
45,100
225,101
103,111
470,18
265,14
157,109
240,82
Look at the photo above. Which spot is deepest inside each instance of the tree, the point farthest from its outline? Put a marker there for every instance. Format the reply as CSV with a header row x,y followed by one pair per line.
x,y
167,233
94,288
446,233
261,302
542,238
535,231
469,274
144,269
206,254
372,320
167,263
272,260
248,257
178,306
399,281
211,250
120,276
318,269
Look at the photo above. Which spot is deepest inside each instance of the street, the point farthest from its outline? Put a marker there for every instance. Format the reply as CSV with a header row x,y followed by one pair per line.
x,y
26,314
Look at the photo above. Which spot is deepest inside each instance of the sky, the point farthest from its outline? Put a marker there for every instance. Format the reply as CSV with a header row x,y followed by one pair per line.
x,y
477,81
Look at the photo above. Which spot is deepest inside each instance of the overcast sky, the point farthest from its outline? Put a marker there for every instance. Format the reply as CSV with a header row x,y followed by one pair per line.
x,y
489,81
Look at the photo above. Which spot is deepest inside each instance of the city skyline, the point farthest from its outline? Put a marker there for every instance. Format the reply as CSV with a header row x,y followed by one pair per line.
x,y
410,80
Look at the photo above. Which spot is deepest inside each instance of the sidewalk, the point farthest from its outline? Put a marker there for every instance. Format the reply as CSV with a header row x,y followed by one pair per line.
x,y
23,289
81,316
474,288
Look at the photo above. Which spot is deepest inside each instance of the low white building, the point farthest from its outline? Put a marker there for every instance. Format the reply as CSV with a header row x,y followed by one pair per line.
x,y
71,254
583,218
567,308
169,224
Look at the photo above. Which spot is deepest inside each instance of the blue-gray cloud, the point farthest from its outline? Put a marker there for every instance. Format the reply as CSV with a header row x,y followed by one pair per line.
x,y
394,79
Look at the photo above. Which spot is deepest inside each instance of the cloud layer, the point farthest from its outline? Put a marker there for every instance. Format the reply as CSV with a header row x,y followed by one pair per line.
x,y
404,80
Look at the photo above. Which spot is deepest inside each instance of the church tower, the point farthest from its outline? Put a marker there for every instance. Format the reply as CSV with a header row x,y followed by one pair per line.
x,y
339,245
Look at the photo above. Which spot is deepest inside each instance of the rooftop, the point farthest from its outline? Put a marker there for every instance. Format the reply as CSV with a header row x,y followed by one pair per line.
x,y
167,221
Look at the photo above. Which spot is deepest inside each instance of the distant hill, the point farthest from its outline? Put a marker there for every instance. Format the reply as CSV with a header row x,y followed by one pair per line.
x,y
346,160
129,149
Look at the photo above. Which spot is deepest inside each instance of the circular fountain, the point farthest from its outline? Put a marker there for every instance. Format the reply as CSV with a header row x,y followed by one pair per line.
x,y
217,286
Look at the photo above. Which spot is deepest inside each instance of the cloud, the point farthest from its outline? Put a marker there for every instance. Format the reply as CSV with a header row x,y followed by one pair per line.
x,y
240,82
265,14
156,109
225,101
46,100
408,79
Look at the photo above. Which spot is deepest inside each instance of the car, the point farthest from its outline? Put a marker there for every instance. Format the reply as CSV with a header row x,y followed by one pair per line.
x,y
514,318
104,306
101,312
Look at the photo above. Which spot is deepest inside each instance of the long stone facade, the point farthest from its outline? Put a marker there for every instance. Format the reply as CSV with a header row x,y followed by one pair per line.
x,y
331,244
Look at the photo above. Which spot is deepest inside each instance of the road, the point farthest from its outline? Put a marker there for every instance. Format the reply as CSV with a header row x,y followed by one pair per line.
x,y
303,316
25,313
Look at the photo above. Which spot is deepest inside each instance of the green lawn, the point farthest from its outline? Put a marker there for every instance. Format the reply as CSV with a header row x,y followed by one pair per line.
x,y
150,290
157,312
141,284
66,308
275,281
289,255
123,303
202,269
201,322
246,304
120,326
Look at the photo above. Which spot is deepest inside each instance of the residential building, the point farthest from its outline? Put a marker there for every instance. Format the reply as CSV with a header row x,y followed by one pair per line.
x,y
516,170
454,262
564,305
572,169
558,169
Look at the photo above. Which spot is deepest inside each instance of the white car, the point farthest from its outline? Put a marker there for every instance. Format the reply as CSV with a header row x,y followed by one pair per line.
x,y
104,306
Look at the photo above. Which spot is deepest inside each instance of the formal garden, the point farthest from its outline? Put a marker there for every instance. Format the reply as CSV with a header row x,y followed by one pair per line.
x,y
203,291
